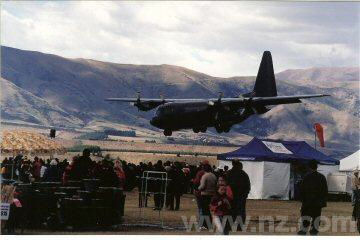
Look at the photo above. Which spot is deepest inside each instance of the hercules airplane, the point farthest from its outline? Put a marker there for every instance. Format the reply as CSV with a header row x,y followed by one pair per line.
x,y
221,113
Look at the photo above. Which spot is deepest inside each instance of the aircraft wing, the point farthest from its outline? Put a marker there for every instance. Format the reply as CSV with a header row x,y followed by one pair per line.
x,y
283,99
156,100
150,103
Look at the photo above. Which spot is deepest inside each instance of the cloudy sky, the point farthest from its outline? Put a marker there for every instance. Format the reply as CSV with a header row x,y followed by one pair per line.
x,y
218,38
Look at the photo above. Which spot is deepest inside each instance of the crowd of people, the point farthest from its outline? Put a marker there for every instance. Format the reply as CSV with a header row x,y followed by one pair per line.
x,y
21,168
219,193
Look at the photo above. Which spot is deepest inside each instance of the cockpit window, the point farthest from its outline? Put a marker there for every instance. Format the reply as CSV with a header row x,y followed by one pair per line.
x,y
164,110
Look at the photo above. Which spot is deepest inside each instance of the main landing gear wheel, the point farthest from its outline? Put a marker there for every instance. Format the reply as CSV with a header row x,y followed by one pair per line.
x,y
226,129
199,129
196,130
220,128
167,132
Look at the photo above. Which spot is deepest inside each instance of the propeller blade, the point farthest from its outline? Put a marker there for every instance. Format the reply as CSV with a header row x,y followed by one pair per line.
x,y
220,96
138,94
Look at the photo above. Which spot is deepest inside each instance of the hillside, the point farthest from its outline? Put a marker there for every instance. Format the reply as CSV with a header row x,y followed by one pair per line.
x,y
51,90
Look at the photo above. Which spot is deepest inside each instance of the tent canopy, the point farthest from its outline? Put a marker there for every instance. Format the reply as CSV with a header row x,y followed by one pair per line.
x,y
351,163
277,151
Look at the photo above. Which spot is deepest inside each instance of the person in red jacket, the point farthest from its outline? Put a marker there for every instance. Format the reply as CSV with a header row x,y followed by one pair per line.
x,y
66,174
222,182
36,168
220,208
120,173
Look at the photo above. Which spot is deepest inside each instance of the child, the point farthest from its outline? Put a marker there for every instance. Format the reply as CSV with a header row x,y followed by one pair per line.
x,y
222,182
220,209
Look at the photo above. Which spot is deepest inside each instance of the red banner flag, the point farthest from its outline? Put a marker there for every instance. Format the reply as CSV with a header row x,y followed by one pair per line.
x,y
320,133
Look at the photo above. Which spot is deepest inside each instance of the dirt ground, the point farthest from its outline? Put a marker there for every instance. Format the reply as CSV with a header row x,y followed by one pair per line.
x,y
266,217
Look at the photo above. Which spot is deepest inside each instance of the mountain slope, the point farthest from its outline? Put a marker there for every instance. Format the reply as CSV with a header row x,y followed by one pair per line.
x,y
76,89
18,104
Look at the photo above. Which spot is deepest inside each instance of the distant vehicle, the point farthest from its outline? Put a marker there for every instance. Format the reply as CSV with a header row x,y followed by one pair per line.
x,y
221,113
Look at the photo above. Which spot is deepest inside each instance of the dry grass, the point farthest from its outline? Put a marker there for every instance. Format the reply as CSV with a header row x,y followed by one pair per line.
x,y
255,209
158,146
136,158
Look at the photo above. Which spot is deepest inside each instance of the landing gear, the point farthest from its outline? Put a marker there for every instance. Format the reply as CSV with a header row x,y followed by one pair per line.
x,y
203,129
167,132
199,129
222,128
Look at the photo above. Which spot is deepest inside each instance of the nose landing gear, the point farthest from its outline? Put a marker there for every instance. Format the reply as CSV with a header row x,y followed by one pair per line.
x,y
167,132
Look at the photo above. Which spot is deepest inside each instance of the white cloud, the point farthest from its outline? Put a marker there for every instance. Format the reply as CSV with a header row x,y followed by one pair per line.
x,y
217,38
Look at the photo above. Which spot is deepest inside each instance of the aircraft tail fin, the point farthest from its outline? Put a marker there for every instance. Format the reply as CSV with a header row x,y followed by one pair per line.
x,y
265,85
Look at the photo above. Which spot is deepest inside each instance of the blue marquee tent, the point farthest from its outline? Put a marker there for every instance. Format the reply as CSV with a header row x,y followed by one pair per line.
x,y
278,151
268,164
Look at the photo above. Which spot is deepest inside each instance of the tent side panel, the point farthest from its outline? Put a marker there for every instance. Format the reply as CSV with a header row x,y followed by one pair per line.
x,y
351,162
222,164
276,181
255,172
327,169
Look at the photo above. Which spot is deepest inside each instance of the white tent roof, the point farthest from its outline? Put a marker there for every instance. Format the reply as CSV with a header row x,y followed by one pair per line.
x,y
351,163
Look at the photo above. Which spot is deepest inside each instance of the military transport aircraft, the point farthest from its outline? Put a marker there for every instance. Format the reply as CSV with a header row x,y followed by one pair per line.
x,y
221,113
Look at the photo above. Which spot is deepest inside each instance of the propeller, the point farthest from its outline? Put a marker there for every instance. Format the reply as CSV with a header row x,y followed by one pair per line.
x,y
138,94
221,94
212,103
138,101
162,97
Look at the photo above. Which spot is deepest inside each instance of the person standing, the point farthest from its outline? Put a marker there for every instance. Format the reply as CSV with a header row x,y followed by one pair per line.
x,y
313,193
196,183
156,185
220,208
118,169
82,167
42,169
239,183
36,168
207,188
355,186
226,169
178,185
52,173
356,198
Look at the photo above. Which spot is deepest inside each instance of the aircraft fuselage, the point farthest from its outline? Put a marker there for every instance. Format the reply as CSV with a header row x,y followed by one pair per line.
x,y
196,116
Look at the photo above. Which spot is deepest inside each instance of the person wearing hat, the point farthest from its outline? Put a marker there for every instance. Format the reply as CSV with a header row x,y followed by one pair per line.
x,y
313,193
52,173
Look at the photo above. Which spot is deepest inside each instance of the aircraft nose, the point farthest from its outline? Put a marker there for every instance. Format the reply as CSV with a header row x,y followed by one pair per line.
x,y
155,121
